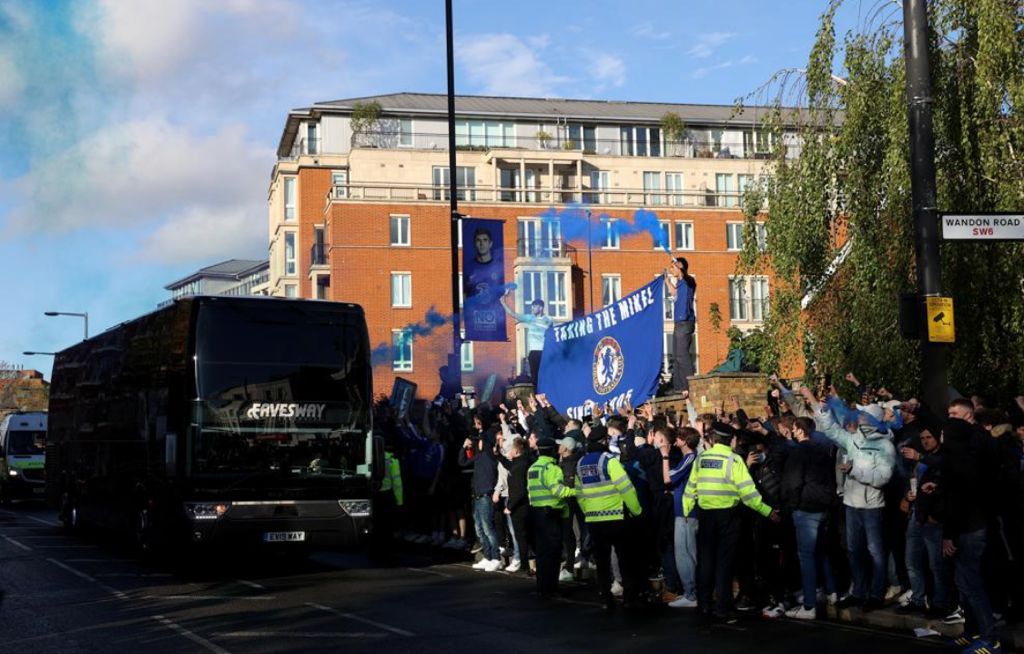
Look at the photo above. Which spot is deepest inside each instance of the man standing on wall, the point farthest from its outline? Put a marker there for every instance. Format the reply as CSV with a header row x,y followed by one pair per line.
x,y
682,287
536,325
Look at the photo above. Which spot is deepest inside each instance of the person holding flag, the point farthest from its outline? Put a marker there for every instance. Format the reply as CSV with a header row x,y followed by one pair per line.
x,y
682,288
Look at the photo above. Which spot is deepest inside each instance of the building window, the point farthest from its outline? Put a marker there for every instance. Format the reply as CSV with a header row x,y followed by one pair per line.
x,y
761,233
339,184
538,238
582,137
669,303
465,180
733,236
610,231
399,232
652,186
289,198
665,236
484,134
311,140
401,290
289,253
667,343
599,182
611,289
684,236
405,133
640,141
548,286
401,350
291,290
674,189
725,190
748,299
512,185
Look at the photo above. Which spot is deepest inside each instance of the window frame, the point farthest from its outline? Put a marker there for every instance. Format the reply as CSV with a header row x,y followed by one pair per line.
x,y
607,287
612,239
404,290
679,229
732,227
403,364
291,265
398,218
290,206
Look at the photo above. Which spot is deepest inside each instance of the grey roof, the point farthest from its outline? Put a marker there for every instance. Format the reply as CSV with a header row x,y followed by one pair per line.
x,y
230,269
599,110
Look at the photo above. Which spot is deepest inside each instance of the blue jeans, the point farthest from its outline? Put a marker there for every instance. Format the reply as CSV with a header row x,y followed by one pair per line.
x,y
967,564
685,544
924,551
483,522
515,538
810,547
864,536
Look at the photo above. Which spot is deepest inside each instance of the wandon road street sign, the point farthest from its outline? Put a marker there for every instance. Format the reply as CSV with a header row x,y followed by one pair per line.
x,y
983,227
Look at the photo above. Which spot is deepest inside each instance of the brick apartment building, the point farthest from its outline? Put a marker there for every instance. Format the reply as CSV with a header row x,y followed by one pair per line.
x,y
364,217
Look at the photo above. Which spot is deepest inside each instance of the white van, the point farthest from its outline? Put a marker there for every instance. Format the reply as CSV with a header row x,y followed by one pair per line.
x,y
23,456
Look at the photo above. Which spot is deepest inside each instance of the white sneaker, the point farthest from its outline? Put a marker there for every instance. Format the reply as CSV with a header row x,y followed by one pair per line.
x,y
905,598
772,612
494,565
578,565
565,575
681,603
481,564
616,589
514,566
893,592
800,613
832,599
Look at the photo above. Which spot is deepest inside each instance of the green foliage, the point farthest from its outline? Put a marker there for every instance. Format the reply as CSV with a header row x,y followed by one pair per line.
x,y
716,316
364,121
852,181
673,126
758,350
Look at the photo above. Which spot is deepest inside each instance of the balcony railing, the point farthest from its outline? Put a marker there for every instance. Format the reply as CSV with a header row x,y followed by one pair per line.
x,y
318,255
648,198
693,146
304,146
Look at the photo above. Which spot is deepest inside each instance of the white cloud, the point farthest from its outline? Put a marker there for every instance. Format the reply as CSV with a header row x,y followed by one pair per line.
x,y
146,172
704,71
708,43
207,234
608,69
16,14
505,64
646,30
12,84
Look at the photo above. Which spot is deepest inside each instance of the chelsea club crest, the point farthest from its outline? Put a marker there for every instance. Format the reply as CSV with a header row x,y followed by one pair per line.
x,y
607,365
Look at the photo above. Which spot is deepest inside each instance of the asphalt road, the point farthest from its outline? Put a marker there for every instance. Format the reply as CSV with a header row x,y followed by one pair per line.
x,y
87,594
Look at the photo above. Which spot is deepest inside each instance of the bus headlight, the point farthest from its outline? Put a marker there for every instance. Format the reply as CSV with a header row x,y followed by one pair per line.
x,y
13,472
206,510
355,508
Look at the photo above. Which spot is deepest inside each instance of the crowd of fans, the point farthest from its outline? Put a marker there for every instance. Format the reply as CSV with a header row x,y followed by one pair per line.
x,y
863,501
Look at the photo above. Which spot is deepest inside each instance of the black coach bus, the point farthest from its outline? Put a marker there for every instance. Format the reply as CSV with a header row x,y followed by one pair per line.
x,y
219,420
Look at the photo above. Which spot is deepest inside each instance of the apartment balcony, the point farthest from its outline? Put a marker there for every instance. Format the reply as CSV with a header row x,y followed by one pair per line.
x,y
598,198
318,256
304,147
531,251
693,146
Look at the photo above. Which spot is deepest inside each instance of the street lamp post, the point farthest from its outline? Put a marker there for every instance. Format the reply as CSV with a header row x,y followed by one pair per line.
x,y
84,316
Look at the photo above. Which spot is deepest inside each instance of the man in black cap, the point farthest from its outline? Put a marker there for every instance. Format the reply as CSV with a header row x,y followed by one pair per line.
x,y
547,494
608,498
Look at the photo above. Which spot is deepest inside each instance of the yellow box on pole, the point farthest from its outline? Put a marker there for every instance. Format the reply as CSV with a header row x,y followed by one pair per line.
x,y
940,319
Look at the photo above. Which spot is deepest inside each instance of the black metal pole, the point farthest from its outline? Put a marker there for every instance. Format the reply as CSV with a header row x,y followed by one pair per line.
x,y
922,184
452,186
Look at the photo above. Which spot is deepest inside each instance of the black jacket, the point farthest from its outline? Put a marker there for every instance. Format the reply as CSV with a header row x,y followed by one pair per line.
x,y
929,506
966,474
485,469
808,479
568,466
517,469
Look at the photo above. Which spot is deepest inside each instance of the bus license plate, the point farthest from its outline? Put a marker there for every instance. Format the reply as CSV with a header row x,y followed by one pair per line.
x,y
284,536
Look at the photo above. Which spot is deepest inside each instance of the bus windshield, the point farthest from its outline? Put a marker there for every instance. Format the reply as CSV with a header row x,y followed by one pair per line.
x,y
283,388
26,443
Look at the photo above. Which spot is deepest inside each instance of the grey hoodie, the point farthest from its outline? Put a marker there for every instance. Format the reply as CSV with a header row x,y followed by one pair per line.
x,y
873,457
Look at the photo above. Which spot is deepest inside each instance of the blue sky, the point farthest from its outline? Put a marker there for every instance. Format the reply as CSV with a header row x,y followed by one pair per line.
x,y
137,136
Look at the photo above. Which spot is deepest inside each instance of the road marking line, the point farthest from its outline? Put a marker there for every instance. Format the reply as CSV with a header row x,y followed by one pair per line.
x,y
110,589
251,584
430,572
351,616
195,638
17,544
262,598
45,522
298,634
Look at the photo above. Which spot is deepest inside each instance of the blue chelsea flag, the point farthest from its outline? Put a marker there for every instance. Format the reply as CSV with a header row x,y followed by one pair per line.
x,y
612,355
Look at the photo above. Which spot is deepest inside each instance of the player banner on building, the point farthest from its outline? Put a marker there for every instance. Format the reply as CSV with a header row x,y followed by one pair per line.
x,y
483,279
610,356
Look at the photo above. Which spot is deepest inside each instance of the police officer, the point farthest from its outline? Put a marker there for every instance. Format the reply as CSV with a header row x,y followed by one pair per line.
x,y
547,495
386,503
719,482
608,498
